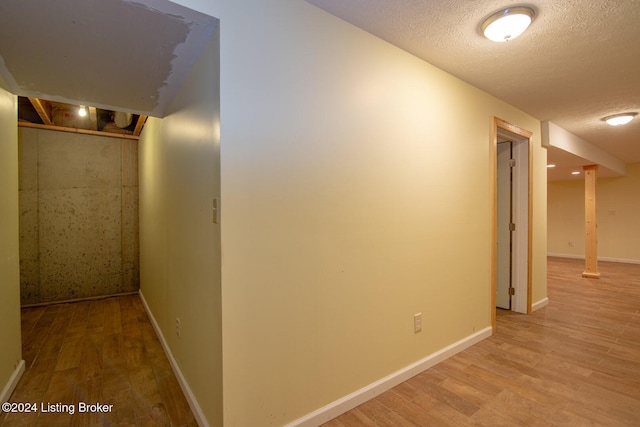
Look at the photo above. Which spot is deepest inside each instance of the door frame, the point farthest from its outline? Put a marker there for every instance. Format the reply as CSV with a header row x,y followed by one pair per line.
x,y
524,135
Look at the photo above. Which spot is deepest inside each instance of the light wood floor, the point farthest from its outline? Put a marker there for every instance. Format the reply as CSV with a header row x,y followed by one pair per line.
x,y
575,362
102,351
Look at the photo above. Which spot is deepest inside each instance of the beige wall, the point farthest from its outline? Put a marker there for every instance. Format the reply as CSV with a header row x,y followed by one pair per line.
x,y
179,163
356,188
618,201
10,345
78,215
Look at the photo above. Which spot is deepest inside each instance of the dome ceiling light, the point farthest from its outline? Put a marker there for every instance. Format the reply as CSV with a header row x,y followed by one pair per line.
x,y
619,119
508,23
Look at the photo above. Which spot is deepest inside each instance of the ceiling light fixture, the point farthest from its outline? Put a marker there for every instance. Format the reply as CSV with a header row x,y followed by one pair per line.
x,y
575,173
551,166
508,23
619,119
82,111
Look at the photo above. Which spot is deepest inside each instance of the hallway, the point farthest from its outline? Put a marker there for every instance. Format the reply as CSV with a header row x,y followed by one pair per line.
x,y
102,351
574,362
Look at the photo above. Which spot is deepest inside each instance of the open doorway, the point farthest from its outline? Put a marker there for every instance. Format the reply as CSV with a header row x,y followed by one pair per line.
x,y
505,224
78,188
512,214
147,67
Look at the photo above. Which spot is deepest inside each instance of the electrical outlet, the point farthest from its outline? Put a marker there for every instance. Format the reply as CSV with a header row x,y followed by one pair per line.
x,y
417,323
177,326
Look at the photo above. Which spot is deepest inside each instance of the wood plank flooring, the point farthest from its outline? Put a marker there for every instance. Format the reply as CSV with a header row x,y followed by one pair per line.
x,y
575,362
102,351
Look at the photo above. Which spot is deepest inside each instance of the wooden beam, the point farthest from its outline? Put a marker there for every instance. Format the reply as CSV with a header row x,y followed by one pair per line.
x,y
93,118
139,124
43,108
590,223
75,130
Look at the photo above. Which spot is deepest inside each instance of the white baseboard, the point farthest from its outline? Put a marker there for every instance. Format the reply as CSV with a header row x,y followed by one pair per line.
x,y
358,397
605,259
565,256
191,399
13,382
538,305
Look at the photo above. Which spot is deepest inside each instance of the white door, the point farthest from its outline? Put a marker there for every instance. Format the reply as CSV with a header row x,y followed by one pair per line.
x,y
503,268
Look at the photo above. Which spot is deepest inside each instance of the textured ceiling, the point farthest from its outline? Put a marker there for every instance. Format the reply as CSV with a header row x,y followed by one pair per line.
x,y
116,54
578,62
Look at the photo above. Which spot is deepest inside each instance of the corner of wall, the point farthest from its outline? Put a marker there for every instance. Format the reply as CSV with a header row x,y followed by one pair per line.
x,y
11,365
5,394
180,261
184,385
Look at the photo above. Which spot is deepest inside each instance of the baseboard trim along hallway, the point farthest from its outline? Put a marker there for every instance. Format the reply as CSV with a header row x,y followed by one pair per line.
x,y
604,259
540,304
191,399
376,388
13,382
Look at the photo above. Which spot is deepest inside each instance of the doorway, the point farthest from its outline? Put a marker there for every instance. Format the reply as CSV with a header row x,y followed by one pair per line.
x,y
505,224
512,214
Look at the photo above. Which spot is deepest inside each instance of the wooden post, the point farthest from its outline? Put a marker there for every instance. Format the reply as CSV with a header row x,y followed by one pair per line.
x,y
590,223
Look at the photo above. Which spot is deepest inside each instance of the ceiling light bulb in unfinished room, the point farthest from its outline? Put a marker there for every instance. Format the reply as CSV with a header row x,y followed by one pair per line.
x,y
82,111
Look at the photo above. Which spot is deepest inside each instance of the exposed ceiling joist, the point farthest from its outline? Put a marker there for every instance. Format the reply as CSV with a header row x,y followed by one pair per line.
x,y
93,118
43,108
76,130
65,117
139,125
